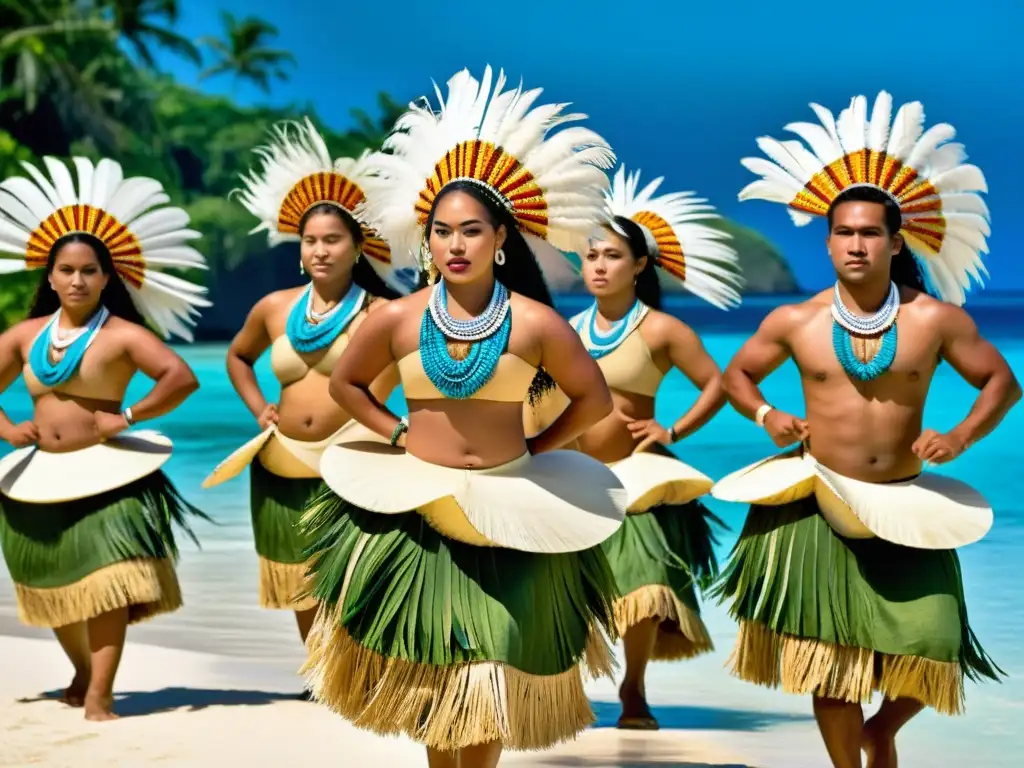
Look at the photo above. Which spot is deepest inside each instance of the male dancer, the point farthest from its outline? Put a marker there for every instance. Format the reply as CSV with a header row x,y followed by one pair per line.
x,y
849,581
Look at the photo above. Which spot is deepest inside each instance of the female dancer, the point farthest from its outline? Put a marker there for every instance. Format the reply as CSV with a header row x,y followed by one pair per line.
x,y
300,194
461,583
86,510
665,545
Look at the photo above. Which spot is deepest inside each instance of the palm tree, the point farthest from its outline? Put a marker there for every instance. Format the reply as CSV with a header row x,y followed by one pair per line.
x,y
56,58
243,52
132,18
34,38
371,133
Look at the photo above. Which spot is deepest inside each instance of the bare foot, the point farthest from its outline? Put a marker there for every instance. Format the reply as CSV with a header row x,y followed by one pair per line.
x,y
880,748
99,708
74,694
636,715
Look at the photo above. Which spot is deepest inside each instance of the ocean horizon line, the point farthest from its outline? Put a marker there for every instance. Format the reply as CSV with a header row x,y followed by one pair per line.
x,y
997,313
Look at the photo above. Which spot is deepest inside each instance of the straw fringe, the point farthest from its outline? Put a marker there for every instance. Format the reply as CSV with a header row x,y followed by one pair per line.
x,y
148,586
682,633
284,586
449,708
809,666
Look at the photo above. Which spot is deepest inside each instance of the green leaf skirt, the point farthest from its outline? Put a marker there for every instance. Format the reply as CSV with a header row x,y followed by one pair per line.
x,y
74,560
277,504
840,618
660,558
449,644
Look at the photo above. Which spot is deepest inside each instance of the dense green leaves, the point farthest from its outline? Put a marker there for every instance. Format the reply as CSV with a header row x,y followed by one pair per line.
x,y
77,77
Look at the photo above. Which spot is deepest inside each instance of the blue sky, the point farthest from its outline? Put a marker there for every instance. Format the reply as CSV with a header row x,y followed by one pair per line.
x,y
679,93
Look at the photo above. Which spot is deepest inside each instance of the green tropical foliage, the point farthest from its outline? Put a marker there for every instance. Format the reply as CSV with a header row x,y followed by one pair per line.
x,y
79,77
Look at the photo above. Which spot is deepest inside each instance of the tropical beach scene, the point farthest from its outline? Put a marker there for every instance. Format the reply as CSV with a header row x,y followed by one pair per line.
x,y
184,91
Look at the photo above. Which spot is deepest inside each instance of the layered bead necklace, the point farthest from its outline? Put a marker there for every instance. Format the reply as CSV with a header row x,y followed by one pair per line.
x,y
600,343
488,334
68,348
846,324
309,331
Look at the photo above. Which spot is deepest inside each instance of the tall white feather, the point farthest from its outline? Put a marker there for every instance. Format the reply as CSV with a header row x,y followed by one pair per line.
x,y
711,267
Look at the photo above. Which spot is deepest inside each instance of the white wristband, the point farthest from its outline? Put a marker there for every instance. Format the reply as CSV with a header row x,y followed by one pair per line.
x,y
763,411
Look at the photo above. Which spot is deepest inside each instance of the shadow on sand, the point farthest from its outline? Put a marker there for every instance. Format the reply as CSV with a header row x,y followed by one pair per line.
x,y
139,703
669,747
692,718
623,761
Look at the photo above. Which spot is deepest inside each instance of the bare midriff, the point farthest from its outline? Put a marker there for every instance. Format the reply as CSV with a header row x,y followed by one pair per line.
x,y
306,410
610,439
470,434
67,423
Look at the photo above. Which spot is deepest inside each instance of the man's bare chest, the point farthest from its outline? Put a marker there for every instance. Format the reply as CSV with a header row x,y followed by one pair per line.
x,y
817,352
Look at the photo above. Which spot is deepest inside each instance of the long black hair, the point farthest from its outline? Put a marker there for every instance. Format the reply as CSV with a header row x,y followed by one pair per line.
x,y
647,287
115,296
904,269
363,274
520,273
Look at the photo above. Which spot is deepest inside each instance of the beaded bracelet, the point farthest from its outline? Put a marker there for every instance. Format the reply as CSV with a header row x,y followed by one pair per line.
x,y
400,427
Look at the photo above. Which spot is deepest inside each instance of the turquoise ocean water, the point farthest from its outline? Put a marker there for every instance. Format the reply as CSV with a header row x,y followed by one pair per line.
x,y
221,615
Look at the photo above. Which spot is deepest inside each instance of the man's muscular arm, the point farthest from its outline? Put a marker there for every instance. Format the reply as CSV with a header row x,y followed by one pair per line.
x,y
763,352
982,366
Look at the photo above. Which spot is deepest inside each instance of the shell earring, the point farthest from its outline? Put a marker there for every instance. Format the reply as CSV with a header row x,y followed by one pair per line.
x,y
499,257
432,273
302,269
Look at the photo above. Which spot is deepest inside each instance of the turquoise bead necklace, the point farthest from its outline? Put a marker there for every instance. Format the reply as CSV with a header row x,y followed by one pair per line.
x,y
845,324
600,343
50,374
488,334
309,331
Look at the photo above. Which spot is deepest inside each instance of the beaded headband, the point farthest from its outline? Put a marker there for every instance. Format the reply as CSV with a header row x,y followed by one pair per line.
x,y
883,190
492,192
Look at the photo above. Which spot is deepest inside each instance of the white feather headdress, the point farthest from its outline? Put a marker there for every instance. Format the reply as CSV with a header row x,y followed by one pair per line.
x,y
297,173
129,216
945,220
551,184
690,251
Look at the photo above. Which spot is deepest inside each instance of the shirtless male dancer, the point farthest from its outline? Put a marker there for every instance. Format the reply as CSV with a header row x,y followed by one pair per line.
x,y
845,579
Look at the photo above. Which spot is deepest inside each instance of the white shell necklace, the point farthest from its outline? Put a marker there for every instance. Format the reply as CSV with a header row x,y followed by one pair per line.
x,y
61,339
868,325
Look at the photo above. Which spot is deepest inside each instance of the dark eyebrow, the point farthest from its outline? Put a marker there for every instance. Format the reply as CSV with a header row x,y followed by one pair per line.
x,y
865,228
463,224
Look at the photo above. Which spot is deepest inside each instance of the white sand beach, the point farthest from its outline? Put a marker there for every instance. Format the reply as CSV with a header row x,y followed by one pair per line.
x,y
218,679
182,708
